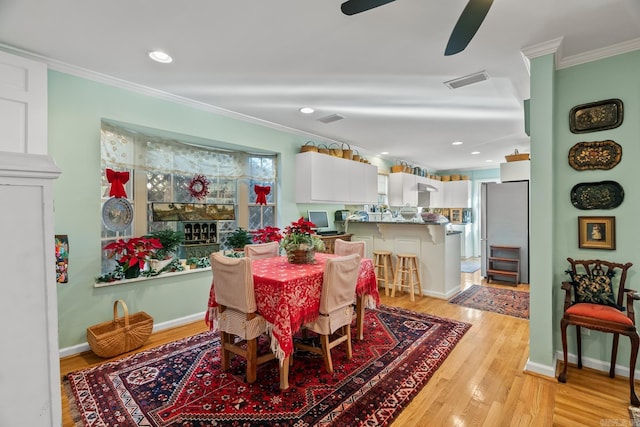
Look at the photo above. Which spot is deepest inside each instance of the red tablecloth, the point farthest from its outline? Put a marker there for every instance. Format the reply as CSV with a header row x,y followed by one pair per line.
x,y
288,295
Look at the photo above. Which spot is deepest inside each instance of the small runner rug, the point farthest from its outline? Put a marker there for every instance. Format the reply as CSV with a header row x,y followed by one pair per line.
x,y
469,266
498,300
181,384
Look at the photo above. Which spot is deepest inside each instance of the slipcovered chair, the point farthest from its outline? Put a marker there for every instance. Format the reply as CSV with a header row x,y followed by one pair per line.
x,y
262,250
336,311
237,317
344,247
595,305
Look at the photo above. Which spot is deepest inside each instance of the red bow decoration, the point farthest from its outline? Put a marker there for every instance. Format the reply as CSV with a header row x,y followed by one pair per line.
x,y
117,181
262,192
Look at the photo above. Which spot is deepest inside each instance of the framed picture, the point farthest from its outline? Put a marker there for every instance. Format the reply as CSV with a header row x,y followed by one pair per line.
x,y
597,232
595,116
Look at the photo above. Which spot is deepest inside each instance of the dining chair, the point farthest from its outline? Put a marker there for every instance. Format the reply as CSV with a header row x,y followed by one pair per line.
x,y
344,247
237,316
262,250
336,310
597,304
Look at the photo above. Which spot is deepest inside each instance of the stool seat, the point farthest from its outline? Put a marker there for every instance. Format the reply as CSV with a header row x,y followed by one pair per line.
x,y
383,265
407,275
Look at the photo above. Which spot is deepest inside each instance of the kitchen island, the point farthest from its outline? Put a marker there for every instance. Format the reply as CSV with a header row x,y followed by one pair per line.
x,y
438,250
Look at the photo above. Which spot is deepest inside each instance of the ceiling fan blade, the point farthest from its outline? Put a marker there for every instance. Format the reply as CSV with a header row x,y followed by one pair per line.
x,y
351,7
467,25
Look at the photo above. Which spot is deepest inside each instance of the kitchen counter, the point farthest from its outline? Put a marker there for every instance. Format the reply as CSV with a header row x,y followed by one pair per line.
x,y
438,250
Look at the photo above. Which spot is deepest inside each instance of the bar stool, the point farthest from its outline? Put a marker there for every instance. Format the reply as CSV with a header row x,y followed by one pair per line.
x,y
407,275
383,265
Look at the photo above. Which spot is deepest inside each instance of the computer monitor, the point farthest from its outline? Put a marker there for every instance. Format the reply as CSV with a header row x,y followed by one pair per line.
x,y
320,219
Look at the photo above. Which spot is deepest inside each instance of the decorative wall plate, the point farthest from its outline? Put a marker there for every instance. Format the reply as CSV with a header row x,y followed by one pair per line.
x,y
117,214
597,195
596,116
595,155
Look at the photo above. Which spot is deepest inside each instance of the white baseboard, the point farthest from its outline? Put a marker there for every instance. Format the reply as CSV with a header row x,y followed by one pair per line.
x,y
80,348
596,364
547,371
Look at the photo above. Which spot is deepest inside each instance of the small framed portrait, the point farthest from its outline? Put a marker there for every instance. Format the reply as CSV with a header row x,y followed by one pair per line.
x,y
597,232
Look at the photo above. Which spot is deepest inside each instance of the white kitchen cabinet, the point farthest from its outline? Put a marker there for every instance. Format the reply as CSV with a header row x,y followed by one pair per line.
x,y
403,189
436,198
457,194
321,178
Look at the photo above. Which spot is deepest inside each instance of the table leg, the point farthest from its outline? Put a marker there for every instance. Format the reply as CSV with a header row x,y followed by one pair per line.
x,y
284,373
360,317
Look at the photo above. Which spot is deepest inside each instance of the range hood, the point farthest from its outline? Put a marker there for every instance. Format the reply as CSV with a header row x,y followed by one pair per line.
x,y
426,187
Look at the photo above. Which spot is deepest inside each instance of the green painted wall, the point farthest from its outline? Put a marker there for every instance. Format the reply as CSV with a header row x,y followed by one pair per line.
x,y
76,107
554,229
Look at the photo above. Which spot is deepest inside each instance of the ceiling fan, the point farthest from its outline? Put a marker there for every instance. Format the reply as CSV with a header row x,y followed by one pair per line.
x,y
464,30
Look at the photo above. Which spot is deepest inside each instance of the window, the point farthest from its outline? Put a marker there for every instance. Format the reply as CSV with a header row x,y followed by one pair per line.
x,y
161,171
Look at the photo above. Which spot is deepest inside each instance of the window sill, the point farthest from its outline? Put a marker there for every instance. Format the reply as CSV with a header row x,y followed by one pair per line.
x,y
143,278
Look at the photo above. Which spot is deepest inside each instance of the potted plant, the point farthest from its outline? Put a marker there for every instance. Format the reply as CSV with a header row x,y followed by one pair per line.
x,y
132,254
170,241
239,238
300,242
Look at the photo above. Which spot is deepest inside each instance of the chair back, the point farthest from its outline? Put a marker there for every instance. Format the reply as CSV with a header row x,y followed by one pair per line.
x,y
233,282
262,250
339,282
596,267
344,247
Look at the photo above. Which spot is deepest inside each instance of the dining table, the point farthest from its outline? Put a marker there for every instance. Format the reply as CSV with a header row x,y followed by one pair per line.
x,y
288,296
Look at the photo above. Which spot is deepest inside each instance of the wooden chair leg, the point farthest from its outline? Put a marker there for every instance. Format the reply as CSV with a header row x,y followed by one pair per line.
x,y
252,360
347,332
326,351
614,355
225,355
635,341
579,340
563,328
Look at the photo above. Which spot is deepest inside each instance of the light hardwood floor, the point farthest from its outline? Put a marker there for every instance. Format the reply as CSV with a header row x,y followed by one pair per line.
x,y
481,383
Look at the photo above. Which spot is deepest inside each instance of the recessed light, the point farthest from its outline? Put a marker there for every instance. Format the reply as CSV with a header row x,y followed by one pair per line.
x,y
384,152
489,161
457,143
160,56
475,152
306,110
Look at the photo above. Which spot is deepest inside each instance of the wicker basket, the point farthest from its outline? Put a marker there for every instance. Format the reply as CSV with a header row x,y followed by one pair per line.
x,y
120,335
445,178
309,146
515,157
335,150
347,153
322,149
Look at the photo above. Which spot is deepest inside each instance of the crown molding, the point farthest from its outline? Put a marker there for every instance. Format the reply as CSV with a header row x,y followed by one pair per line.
x,y
602,53
555,47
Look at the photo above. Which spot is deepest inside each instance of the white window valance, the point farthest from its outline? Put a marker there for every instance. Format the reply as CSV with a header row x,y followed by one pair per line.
x,y
125,149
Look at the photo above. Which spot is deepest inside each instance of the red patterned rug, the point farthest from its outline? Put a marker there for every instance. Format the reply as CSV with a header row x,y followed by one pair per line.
x,y
498,300
180,384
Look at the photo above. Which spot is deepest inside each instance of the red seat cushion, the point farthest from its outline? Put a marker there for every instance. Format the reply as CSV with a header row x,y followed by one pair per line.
x,y
599,311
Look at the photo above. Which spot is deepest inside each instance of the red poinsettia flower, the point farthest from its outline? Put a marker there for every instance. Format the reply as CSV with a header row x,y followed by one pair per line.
x,y
267,234
300,226
132,252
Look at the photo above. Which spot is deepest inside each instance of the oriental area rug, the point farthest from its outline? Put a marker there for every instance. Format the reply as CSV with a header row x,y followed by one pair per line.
x,y
181,384
498,300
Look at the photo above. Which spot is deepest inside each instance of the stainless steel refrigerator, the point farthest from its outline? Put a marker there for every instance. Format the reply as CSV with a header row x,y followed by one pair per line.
x,y
504,221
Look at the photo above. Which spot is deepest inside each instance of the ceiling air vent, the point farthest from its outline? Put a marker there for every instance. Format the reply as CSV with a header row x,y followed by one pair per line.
x,y
467,80
331,118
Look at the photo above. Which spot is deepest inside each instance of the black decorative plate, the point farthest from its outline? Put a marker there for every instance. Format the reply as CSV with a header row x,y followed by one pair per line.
x,y
596,116
595,155
597,195
117,214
